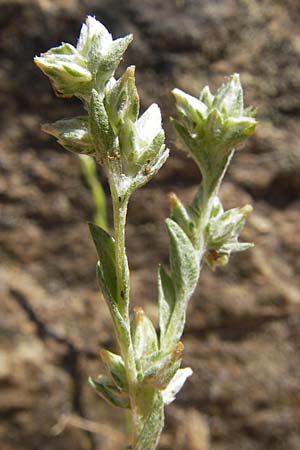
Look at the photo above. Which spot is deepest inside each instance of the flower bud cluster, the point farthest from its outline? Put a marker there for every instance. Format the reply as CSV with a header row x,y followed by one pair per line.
x,y
222,233
157,370
211,126
131,149
75,71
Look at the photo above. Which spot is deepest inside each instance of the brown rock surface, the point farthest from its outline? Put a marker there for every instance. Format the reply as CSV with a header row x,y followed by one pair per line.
x,y
243,332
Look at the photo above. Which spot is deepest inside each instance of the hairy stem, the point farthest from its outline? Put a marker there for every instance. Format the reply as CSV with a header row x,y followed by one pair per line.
x,y
143,403
123,282
123,287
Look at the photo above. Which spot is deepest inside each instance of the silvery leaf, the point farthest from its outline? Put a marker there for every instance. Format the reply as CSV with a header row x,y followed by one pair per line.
x,y
72,134
175,385
109,392
144,337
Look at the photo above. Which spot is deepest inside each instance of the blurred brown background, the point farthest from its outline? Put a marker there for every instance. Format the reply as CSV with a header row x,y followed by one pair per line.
x,y
243,331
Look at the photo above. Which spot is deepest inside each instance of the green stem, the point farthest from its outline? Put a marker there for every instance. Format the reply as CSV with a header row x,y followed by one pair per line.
x,y
123,283
146,411
123,287
203,202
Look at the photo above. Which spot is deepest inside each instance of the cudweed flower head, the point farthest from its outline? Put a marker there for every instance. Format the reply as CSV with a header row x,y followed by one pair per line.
x,y
222,233
122,100
74,71
147,373
67,70
211,126
130,149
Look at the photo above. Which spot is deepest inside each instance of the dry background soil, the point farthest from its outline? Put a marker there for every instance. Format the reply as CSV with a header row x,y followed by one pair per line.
x,y
243,333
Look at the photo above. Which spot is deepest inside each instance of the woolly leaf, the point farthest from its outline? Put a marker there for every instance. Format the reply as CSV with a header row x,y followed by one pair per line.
x,y
166,299
110,61
114,309
229,97
122,100
175,385
105,247
159,371
67,70
116,368
142,140
91,31
100,126
183,260
182,216
184,274
108,391
212,126
72,134
103,54
148,169
237,129
222,234
190,107
144,337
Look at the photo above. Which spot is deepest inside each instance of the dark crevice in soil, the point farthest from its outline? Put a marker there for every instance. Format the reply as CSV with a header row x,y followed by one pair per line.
x,y
70,361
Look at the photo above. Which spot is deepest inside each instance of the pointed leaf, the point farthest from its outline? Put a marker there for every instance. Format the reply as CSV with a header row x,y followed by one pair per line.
x,y
214,126
148,154
229,97
67,70
108,64
182,216
183,260
207,97
101,130
122,100
105,246
217,208
193,108
237,129
166,299
123,331
148,170
148,127
161,370
144,337
127,143
116,368
72,134
175,385
222,234
236,246
228,225
188,140
91,30
106,389
184,274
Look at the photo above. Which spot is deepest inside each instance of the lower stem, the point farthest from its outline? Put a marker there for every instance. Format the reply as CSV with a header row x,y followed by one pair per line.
x,y
146,410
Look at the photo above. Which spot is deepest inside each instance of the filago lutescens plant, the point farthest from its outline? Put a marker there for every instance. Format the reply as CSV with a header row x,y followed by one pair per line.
x,y
146,374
